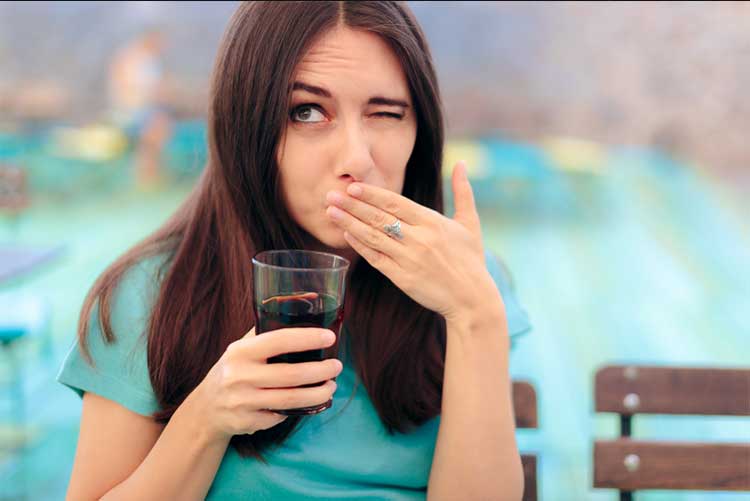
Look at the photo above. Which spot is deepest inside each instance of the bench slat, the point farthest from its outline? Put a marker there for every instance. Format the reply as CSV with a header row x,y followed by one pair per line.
x,y
529,476
667,465
673,390
524,404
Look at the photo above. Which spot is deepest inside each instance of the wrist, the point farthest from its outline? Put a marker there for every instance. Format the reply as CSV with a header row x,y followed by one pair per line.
x,y
478,321
477,336
485,309
193,412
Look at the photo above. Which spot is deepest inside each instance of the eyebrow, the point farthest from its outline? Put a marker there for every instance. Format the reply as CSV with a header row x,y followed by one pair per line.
x,y
319,91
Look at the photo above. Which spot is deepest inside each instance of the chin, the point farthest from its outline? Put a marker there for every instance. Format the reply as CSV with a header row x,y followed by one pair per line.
x,y
336,240
333,238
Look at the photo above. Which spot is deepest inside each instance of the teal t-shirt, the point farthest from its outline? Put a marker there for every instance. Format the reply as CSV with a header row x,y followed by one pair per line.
x,y
342,453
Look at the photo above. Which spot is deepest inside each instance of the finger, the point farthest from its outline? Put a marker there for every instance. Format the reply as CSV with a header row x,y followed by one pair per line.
x,y
250,334
293,398
369,214
291,375
463,197
292,340
374,238
377,260
267,419
394,204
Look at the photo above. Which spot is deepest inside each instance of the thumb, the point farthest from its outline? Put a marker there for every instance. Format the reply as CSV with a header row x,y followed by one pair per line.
x,y
463,197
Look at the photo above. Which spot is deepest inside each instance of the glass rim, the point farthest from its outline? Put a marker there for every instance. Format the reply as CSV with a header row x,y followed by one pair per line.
x,y
344,265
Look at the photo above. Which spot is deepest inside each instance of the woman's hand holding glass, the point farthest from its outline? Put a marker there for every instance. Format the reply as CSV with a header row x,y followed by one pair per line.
x,y
240,388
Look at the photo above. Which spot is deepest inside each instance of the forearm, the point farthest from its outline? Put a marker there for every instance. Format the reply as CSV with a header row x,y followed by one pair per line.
x,y
181,465
476,456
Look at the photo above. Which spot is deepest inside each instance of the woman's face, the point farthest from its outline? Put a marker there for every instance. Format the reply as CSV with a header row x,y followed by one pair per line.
x,y
351,119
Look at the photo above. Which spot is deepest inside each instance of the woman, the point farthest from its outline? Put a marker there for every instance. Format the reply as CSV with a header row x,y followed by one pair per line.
x,y
324,127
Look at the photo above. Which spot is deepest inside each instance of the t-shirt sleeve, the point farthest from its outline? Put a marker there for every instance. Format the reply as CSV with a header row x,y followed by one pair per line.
x,y
120,369
518,319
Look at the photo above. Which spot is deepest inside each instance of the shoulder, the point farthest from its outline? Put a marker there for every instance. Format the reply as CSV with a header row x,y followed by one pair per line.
x,y
119,368
135,293
518,318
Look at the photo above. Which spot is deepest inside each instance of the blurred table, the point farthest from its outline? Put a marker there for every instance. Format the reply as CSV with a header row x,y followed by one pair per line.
x,y
17,260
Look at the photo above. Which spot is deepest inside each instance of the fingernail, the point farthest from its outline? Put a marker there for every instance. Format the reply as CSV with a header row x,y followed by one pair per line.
x,y
334,213
354,190
334,197
328,336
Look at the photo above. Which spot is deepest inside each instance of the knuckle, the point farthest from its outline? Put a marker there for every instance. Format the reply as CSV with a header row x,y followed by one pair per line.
x,y
278,342
231,350
379,220
376,259
421,240
233,402
238,349
432,213
294,374
234,376
227,374
372,237
431,239
392,207
289,399
253,397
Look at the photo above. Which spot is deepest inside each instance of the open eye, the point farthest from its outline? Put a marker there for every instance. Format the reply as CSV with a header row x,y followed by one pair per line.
x,y
304,112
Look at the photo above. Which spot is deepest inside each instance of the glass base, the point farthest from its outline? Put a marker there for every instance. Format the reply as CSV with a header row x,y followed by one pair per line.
x,y
305,411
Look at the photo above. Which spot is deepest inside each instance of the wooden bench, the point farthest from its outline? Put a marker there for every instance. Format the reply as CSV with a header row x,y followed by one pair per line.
x,y
524,406
629,465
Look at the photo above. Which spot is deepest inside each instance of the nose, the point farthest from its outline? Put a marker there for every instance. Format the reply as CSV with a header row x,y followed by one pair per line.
x,y
355,162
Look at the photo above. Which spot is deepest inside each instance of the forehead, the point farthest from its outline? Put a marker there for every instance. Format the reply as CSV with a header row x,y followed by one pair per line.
x,y
346,60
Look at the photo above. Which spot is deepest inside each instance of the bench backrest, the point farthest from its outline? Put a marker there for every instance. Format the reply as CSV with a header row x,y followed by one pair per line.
x,y
525,409
628,464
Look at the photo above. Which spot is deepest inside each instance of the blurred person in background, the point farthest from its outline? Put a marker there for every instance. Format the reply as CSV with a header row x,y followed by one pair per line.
x,y
138,91
310,102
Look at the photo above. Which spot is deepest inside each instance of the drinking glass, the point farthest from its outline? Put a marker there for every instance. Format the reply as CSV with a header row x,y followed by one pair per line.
x,y
299,288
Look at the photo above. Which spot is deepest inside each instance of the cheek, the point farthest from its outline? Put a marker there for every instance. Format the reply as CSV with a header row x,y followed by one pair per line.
x,y
299,174
392,154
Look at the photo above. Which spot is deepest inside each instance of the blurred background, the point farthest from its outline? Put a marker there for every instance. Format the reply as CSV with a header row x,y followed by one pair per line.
x,y
607,145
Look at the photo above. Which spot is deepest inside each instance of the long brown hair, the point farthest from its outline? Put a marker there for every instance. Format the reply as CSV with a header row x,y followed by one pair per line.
x,y
236,209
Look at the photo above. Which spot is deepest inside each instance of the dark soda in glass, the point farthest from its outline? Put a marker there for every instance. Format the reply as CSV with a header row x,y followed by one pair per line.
x,y
301,309
299,288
